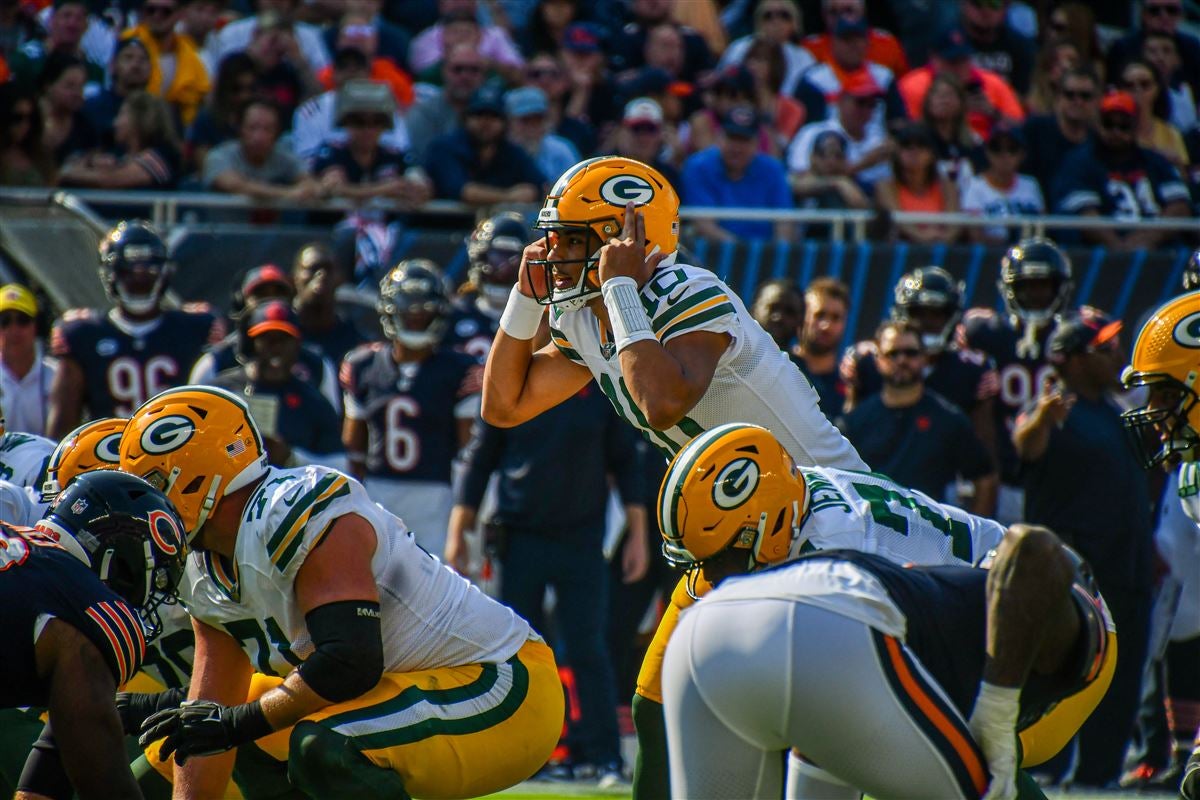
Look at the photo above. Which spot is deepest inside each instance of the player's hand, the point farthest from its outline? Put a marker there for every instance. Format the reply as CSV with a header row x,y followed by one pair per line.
x,y
134,708
993,725
456,553
625,256
531,280
203,728
635,559
1054,404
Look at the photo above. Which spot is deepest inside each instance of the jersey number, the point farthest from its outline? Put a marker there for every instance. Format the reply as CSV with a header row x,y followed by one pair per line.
x,y
401,445
267,636
1019,387
880,500
131,383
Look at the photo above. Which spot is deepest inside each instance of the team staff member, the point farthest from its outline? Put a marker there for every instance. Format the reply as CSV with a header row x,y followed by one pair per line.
x,y
826,304
1082,480
25,370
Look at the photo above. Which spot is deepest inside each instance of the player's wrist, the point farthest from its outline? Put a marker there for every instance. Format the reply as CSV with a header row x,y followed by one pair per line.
x,y
522,315
996,709
626,315
246,722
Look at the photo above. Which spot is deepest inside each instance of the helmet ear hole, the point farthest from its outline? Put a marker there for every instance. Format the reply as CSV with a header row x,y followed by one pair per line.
x,y
193,485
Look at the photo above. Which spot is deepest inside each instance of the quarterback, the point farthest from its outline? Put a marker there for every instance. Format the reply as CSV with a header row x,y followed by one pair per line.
x,y
395,676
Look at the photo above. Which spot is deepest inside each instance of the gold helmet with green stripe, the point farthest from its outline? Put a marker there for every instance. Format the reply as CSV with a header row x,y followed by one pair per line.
x,y
93,445
731,490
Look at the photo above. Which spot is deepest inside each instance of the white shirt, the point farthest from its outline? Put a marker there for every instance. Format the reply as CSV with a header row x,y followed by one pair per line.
x,y
799,155
796,60
25,400
236,37
1023,198
313,126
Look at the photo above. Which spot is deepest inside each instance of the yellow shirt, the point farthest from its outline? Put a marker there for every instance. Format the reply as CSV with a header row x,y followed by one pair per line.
x,y
190,84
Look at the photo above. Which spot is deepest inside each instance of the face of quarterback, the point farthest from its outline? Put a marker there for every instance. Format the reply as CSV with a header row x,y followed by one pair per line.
x,y
569,247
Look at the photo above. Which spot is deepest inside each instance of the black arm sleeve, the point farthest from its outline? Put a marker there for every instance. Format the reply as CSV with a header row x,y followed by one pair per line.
x,y
348,660
44,773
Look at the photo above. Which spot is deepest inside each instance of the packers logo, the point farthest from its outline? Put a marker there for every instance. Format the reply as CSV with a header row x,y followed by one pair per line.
x,y
1187,331
735,483
622,189
108,449
167,434
164,532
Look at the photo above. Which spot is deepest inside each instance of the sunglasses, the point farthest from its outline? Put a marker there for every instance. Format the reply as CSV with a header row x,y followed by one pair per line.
x,y
542,74
644,127
1164,11
1121,125
1057,26
466,69
158,11
987,3
1072,94
10,318
776,13
365,121
1004,149
866,102
900,352
1138,86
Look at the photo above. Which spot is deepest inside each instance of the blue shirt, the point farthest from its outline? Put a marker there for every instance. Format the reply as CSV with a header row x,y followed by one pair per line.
x,y
452,162
764,185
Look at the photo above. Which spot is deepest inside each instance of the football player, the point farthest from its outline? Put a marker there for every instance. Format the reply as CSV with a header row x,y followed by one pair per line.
x,y
1035,284
494,250
80,593
23,457
397,677
112,362
410,403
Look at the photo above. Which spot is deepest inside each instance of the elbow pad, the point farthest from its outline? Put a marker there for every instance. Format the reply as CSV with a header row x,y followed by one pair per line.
x,y
348,660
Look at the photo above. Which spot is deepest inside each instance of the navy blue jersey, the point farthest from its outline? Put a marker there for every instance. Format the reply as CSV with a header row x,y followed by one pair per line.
x,y
1133,187
411,410
470,330
964,377
124,363
830,388
40,580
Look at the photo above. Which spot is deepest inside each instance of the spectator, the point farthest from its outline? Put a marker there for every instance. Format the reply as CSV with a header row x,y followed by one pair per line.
x,y
1050,137
1083,481
217,122
644,136
315,122
592,98
1162,52
305,49
828,184
199,22
359,31
298,424
495,48
363,167
1149,91
630,47
545,71
882,47
727,90
64,38
387,40
65,130
256,164
442,113
826,305
734,174
989,98
145,133
1115,177
779,309
529,126
1000,191
18,25
914,435
776,22
867,145
284,76
783,114
666,49
477,164
555,539
916,185
177,73
24,159
1159,16
130,73
26,372
1053,61
1075,22
944,112
821,85
317,276
548,24
998,47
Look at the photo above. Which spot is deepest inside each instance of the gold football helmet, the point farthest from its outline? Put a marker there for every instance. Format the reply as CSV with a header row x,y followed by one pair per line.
x,y
93,445
590,198
196,444
1166,360
731,488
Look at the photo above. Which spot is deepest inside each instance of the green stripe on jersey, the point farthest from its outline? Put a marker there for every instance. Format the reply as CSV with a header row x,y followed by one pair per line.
x,y
686,304
300,506
289,552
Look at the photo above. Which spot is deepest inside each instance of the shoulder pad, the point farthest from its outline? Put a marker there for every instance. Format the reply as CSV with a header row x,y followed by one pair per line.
x,y
287,515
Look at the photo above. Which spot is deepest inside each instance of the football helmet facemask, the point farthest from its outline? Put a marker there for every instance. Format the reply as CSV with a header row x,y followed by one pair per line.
x,y
1030,260
731,488
413,303
590,199
923,298
1191,272
93,445
1166,360
196,444
494,249
132,534
134,267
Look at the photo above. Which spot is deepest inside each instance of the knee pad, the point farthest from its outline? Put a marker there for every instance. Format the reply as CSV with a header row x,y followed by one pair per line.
x,y
322,763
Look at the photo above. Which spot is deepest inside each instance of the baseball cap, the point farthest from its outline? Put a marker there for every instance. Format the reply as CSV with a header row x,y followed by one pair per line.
x,y
735,78
851,27
1081,333
263,275
582,37
364,97
1006,131
487,100
15,297
643,109
1118,102
274,315
953,45
526,101
741,121
860,84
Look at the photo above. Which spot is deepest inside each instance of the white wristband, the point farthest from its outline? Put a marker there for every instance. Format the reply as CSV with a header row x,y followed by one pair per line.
x,y
521,316
628,317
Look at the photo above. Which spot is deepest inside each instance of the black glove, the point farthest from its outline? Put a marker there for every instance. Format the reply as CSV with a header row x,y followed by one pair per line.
x,y
135,707
204,728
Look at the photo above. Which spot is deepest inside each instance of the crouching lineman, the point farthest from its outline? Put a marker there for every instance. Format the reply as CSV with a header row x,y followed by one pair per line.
x,y
899,682
399,678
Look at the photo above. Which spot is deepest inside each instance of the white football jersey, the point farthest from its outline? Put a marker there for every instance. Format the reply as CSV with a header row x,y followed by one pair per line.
x,y
754,380
431,616
19,506
23,459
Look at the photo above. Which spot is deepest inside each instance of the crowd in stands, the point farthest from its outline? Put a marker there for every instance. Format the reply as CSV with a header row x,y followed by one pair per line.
x,y
992,107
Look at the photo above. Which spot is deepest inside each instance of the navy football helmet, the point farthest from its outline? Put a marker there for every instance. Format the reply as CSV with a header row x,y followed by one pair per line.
x,y
414,303
134,267
494,249
930,299
1036,259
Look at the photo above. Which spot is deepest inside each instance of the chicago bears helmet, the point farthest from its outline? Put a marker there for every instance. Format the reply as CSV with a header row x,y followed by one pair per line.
x,y
733,487
414,304
93,445
1036,259
929,299
589,201
1191,272
134,267
494,249
131,533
